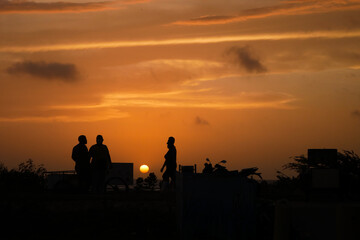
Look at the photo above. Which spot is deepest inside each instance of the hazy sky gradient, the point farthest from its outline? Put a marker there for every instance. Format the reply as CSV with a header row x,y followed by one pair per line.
x,y
252,82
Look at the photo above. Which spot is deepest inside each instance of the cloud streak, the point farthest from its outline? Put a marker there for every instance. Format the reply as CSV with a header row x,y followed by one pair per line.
x,y
203,95
10,7
130,2
94,116
200,98
182,41
286,8
162,74
46,71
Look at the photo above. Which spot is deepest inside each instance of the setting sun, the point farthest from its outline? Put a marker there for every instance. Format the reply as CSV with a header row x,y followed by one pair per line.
x,y
144,168
252,82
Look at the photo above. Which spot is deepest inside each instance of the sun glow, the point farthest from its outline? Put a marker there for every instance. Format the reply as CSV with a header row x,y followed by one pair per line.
x,y
144,168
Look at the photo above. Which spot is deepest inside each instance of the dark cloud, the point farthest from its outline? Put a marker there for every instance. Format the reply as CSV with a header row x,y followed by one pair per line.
x,y
201,121
43,7
244,58
44,70
356,113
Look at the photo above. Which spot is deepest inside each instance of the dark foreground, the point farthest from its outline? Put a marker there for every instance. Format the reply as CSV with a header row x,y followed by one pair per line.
x,y
155,215
132,215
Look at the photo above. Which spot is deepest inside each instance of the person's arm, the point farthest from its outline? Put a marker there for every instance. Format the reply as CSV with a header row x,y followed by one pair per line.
x,y
73,155
165,163
162,168
109,158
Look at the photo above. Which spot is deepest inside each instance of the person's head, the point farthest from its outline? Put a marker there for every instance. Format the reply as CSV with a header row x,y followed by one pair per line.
x,y
99,139
82,139
171,141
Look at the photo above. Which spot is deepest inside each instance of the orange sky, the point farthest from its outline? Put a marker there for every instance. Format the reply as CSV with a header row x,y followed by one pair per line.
x,y
252,82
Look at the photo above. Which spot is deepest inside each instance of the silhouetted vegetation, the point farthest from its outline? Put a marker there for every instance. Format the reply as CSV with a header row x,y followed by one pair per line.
x,y
149,182
347,163
139,183
26,178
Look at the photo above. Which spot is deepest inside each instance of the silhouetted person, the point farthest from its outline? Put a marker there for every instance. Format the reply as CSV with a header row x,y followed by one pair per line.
x,y
100,163
80,155
170,163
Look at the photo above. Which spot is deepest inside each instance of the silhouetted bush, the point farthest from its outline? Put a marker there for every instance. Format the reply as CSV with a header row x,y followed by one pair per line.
x,y
347,163
148,183
139,183
26,178
151,181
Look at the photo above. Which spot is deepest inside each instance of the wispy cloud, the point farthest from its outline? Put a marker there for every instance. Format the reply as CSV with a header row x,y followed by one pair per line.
x,y
200,98
8,7
45,70
300,7
179,63
33,7
203,95
182,41
133,1
95,116
161,74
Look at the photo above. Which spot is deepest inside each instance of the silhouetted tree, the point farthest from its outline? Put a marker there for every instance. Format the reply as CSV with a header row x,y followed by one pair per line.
x,y
151,181
139,183
347,162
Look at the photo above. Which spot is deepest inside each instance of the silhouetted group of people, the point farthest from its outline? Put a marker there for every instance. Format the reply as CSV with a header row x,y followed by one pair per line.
x,y
92,165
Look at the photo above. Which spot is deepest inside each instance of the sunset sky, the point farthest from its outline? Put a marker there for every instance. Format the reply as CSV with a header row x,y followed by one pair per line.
x,y
251,82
